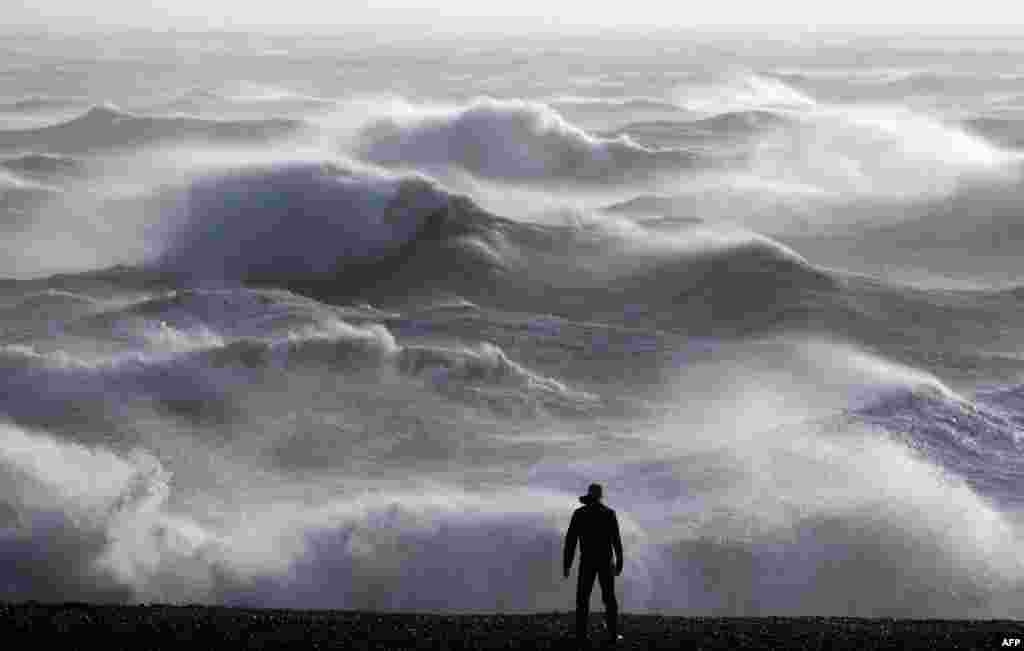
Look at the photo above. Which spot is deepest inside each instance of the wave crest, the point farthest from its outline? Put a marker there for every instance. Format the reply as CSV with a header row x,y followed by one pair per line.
x,y
109,128
511,140
293,220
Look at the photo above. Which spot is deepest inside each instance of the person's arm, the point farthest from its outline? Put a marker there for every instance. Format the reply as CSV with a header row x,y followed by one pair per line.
x,y
617,544
570,545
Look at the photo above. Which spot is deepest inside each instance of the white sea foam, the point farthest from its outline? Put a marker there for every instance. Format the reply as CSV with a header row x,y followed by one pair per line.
x,y
878,152
741,91
510,140
182,437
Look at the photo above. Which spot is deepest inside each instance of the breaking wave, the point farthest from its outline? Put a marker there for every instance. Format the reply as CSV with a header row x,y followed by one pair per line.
x,y
514,141
320,381
337,232
742,92
291,220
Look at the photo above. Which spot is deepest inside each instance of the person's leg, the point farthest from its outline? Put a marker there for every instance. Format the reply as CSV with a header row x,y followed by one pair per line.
x,y
606,577
584,586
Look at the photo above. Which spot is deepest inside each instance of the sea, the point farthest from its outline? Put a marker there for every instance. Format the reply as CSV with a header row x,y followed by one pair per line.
x,y
350,321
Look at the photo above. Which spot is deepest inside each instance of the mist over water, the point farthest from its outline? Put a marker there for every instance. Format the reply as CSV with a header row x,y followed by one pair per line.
x,y
313,325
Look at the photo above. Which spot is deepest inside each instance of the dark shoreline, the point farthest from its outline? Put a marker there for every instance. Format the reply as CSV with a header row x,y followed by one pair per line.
x,y
212,627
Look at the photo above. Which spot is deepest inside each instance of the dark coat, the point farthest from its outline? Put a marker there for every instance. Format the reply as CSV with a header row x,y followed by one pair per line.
x,y
597,529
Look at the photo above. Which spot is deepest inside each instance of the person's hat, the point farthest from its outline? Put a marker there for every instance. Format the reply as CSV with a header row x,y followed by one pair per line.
x,y
593,493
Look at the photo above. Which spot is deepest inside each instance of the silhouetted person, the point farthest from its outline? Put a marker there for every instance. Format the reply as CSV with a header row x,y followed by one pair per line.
x,y
597,529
